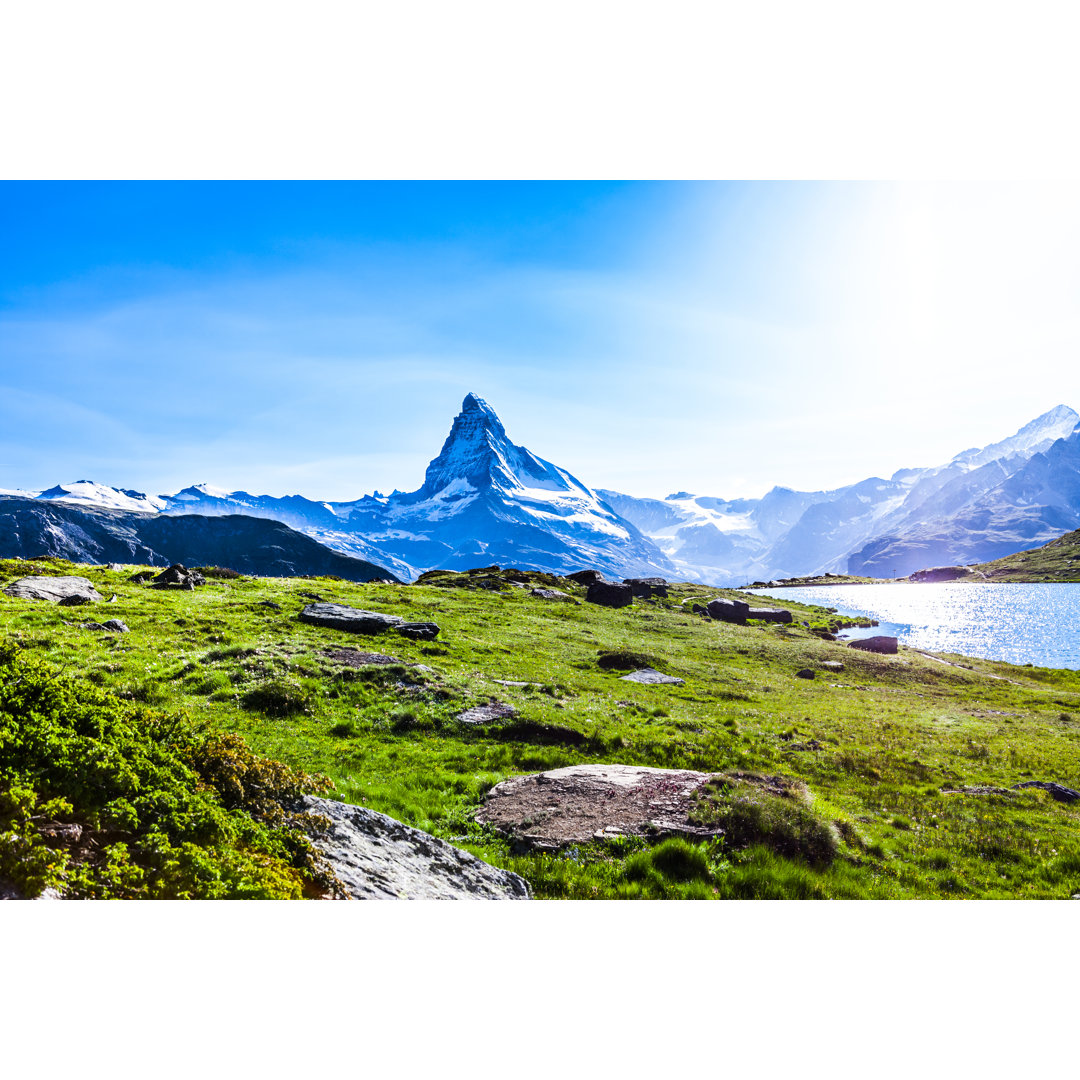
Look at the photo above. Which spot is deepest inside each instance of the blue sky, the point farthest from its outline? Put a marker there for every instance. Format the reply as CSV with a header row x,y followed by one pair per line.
x,y
719,337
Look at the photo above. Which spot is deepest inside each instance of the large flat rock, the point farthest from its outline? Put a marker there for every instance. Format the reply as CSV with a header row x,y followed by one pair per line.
x,y
353,620
54,589
586,802
379,858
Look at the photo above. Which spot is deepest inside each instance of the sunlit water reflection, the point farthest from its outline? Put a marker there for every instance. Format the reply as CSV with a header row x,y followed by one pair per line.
x,y
1024,624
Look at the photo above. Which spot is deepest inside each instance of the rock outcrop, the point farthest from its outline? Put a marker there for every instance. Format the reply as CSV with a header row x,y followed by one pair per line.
x,y
379,858
57,590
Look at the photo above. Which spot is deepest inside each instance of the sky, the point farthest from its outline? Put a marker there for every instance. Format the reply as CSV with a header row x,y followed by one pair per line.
x,y
649,337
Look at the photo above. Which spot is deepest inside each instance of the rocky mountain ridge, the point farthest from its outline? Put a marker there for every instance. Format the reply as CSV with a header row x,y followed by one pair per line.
x,y
983,504
486,500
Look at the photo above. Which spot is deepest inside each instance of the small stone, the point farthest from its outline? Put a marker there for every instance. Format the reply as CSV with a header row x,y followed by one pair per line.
x,y
487,714
419,631
804,673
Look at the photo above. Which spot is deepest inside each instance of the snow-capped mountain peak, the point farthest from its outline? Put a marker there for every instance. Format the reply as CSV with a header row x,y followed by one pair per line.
x,y
479,456
1034,437
87,492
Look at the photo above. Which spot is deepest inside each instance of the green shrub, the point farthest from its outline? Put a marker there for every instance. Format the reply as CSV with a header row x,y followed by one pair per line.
x,y
754,811
105,799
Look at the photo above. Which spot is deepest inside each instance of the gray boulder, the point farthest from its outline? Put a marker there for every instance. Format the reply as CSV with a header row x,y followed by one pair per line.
x,y
378,858
646,587
54,589
178,576
350,619
651,677
805,673
419,631
881,643
732,611
608,594
586,577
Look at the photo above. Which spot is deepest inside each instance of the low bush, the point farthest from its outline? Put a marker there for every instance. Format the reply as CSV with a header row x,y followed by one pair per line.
x,y
99,798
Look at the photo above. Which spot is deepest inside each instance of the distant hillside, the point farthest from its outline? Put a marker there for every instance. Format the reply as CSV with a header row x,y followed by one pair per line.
x,y
30,528
1057,561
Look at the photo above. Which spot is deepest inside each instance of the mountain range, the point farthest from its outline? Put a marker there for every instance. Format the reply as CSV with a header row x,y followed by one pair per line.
x,y
486,500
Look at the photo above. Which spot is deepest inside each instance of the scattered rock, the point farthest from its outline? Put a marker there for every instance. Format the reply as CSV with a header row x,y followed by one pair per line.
x,y
487,714
419,631
114,567
350,619
831,665
881,643
805,673
608,594
178,576
551,594
586,577
57,590
114,626
731,611
513,682
269,604
650,677
646,587
312,596
697,609
376,857
1057,791
356,658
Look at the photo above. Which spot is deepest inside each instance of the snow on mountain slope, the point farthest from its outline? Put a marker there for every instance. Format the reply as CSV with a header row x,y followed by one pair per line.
x,y
87,493
789,533
484,499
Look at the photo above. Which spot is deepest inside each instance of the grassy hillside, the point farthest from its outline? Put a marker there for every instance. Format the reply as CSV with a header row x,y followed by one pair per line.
x,y
875,743
1058,560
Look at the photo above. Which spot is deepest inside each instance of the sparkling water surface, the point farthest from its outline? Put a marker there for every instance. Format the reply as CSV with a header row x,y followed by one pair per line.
x,y
1024,624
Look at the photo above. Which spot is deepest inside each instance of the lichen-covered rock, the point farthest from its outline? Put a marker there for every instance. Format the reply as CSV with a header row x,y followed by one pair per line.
x,y
379,858
54,589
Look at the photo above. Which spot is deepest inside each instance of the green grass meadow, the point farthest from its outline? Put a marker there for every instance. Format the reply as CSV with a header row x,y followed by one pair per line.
x,y
877,744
